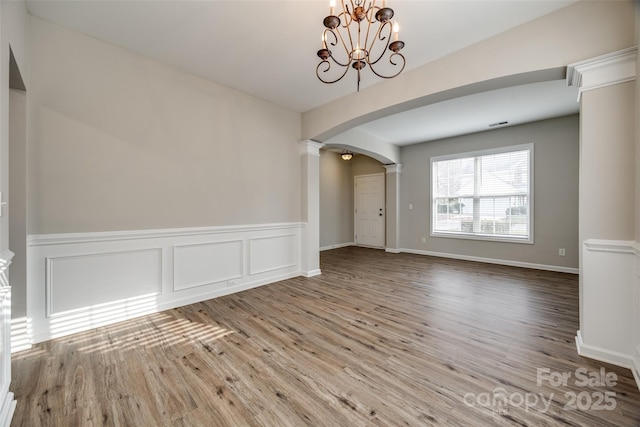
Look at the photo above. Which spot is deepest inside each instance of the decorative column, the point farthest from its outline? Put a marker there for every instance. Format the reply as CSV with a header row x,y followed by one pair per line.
x,y
310,177
607,207
393,207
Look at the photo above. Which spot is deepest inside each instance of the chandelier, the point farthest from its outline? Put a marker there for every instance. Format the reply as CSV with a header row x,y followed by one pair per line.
x,y
346,155
358,36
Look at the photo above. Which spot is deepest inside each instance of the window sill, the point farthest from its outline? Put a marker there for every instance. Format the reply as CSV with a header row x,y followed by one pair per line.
x,y
484,237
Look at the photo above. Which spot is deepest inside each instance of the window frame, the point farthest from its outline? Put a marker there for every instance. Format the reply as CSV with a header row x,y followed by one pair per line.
x,y
477,236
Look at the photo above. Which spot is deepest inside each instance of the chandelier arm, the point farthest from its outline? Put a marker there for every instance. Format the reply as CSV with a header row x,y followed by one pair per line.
x,y
348,20
346,13
328,67
386,39
370,18
346,64
344,46
404,62
335,43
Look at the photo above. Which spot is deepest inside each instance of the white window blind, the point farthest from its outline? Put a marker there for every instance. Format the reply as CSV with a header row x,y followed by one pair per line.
x,y
484,194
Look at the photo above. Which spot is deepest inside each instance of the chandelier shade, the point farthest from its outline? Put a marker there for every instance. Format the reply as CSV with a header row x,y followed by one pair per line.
x,y
346,155
361,34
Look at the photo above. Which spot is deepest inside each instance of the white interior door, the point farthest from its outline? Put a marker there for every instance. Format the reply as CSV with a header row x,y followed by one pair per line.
x,y
369,210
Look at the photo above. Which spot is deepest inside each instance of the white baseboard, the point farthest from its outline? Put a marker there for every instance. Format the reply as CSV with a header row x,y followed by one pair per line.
x,y
393,250
636,366
311,273
81,281
339,245
557,268
7,409
603,355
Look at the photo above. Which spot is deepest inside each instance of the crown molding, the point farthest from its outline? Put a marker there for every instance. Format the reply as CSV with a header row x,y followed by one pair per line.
x,y
310,147
393,168
601,71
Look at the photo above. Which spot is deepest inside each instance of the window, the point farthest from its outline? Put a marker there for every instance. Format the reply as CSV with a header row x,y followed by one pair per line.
x,y
484,195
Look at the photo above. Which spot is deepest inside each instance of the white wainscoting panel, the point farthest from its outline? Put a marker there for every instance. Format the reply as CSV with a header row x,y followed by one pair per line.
x,y
84,280
20,334
269,253
606,302
7,402
207,263
636,315
76,282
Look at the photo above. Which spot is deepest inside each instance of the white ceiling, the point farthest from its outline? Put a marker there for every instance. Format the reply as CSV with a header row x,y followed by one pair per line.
x,y
268,48
475,113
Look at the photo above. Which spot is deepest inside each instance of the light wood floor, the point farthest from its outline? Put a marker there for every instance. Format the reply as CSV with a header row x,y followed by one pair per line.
x,y
377,339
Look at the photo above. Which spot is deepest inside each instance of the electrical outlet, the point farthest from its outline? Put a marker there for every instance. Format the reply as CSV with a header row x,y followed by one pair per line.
x,y
424,240
561,252
410,206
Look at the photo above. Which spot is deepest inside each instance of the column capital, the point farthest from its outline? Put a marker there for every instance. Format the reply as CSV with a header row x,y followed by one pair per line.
x,y
310,147
605,70
393,168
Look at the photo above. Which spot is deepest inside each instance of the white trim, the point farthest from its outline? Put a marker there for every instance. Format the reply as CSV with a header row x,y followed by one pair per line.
x,y
50,261
6,258
393,168
336,246
636,366
483,237
108,236
608,296
557,268
88,259
636,314
177,286
393,250
530,149
272,267
485,152
20,334
311,273
601,354
601,71
310,147
132,308
8,402
7,409
613,246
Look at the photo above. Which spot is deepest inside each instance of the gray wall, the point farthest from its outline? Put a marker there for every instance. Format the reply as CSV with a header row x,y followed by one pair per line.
x,y
556,148
18,200
637,130
118,141
607,143
336,200
365,165
336,194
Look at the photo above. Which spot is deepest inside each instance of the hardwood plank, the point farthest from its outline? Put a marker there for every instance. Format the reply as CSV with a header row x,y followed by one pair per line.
x,y
377,339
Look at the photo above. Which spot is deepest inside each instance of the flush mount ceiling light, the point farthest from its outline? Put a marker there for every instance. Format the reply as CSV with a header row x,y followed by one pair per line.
x,y
359,35
347,155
